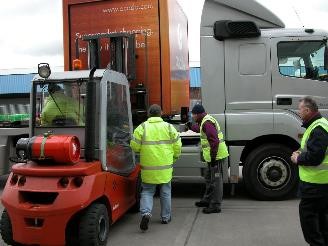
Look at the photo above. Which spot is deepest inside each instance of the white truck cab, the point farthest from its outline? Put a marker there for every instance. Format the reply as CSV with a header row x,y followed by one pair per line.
x,y
254,71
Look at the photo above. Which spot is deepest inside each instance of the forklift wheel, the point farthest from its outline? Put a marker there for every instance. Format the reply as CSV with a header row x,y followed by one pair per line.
x,y
94,226
6,229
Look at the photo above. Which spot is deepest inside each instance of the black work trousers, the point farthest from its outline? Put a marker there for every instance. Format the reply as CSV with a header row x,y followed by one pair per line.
x,y
314,220
214,185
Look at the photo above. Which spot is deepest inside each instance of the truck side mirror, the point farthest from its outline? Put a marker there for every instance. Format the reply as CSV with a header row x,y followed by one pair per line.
x,y
326,58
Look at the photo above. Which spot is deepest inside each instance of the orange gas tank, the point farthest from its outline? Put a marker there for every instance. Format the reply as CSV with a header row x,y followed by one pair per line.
x,y
62,149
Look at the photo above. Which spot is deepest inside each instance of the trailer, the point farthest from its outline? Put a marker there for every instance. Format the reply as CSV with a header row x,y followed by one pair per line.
x,y
162,61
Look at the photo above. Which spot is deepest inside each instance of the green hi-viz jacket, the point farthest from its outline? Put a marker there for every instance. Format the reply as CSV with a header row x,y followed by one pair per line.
x,y
159,145
206,149
68,108
314,174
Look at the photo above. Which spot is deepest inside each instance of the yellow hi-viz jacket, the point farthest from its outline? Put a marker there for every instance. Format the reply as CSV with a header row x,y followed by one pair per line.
x,y
159,145
223,149
314,174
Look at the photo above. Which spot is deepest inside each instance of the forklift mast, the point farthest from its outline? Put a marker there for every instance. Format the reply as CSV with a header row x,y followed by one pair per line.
x,y
122,58
122,53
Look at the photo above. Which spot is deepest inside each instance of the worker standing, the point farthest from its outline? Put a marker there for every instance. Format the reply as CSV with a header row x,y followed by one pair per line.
x,y
159,145
214,152
312,160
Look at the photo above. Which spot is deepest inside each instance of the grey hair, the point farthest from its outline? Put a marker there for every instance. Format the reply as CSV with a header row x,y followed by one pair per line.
x,y
310,103
155,110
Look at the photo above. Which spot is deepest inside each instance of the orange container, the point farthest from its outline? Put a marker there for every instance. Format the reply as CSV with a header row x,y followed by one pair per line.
x,y
166,27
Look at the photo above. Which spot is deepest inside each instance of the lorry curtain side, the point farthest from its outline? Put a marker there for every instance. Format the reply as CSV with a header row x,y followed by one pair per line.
x,y
162,24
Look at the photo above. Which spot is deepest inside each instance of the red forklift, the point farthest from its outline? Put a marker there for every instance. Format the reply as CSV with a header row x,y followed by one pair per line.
x,y
77,174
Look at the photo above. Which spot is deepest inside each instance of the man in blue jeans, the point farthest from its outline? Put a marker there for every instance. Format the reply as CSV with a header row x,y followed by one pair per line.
x,y
159,145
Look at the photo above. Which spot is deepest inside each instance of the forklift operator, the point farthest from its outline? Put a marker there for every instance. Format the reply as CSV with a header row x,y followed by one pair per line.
x,y
61,109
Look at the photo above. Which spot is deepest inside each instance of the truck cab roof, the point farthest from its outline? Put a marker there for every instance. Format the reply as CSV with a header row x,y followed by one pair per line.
x,y
71,75
237,10
292,32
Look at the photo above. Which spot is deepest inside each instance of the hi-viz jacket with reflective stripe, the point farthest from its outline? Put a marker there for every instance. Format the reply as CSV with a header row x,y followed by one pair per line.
x,y
60,105
314,174
159,145
206,149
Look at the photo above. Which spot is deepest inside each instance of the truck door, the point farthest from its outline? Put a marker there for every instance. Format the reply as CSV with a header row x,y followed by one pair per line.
x,y
298,71
248,89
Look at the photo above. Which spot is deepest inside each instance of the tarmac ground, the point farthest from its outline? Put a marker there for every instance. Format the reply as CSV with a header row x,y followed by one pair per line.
x,y
243,221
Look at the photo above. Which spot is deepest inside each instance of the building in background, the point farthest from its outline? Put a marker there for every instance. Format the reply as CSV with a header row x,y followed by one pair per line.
x,y
14,99
14,115
195,86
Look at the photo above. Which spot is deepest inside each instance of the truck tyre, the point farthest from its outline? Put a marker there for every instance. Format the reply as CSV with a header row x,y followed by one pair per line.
x,y
136,206
94,226
6,229
268,173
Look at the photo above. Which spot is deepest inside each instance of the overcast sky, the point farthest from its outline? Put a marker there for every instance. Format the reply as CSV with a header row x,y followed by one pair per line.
x,y
31,31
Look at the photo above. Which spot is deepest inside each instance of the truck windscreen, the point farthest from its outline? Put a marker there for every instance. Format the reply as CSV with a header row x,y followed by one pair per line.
x,y
60,104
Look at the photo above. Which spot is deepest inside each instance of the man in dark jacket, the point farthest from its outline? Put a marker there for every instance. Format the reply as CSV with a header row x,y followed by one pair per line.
x,y
312,160
214,152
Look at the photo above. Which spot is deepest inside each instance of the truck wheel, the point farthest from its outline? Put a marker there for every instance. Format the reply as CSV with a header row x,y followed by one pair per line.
x,y
6,229
94,226
136,206
268,173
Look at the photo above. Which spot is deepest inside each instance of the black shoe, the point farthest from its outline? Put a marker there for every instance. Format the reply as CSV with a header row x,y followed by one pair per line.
x,y
202,204
144,222
211,210
165,222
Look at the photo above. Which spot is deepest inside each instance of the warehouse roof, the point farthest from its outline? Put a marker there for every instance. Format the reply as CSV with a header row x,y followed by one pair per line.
x,y
15,83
